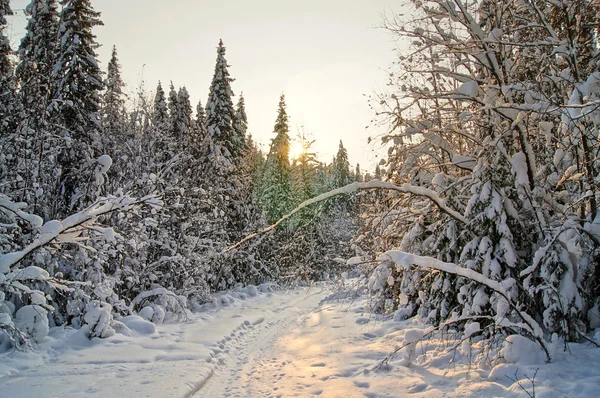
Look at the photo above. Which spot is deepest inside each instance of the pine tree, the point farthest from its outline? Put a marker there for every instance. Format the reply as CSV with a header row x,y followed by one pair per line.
x,y
201,121
76,99
276,197
160,111
341,168
173,115
184,114
113,101
7,80
220,111
37,55
77,74
240,122
358,174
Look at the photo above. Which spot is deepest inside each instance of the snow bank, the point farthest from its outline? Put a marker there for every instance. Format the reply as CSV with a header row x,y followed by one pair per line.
x,y
521,350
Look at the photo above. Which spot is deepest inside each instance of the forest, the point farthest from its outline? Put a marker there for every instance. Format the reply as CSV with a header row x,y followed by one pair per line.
x,y
484,211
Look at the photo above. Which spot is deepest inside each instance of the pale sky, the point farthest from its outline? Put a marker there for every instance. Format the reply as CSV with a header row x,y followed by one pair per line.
x,y
322,54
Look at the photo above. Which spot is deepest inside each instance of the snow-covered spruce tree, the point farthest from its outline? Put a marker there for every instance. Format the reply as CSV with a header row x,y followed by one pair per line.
x,y
184,118
341,167
113,104
39,147
240,122
13,169
7,79
358,177
77,82
160,111
276,195
491,120
220,113
200,121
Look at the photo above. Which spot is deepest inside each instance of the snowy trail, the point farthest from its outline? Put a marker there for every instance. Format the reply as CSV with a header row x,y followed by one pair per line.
x,y
249,350
298,343
173,360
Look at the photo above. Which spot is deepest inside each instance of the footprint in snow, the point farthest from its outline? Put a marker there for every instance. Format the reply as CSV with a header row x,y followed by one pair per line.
x,y
362,384
362,321
318,365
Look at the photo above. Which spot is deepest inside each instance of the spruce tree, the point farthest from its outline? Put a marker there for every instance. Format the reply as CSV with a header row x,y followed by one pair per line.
x,y
160,111
173,114
184,116
200,121
77,76
7,79
240,122
220,111
37,54
341,167
113,101
276,198
76,100
39,147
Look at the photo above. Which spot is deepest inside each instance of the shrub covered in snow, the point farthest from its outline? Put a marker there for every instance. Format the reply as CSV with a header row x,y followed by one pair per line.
x,y
98,319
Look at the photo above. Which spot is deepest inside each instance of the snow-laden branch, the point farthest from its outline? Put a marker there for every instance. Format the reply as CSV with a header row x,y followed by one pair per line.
x,y
53,230
406,260
357,186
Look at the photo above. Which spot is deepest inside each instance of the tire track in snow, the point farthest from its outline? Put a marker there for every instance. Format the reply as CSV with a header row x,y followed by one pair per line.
x,y
242,357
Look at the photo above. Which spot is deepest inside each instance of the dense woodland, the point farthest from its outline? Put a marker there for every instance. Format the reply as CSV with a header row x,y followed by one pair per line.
x,y
485,210
145,200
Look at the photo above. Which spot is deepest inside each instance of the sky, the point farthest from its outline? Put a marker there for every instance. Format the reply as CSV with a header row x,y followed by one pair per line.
x,y
326,56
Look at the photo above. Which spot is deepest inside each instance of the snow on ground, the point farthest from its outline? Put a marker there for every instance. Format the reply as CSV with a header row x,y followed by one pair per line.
x,y
298,343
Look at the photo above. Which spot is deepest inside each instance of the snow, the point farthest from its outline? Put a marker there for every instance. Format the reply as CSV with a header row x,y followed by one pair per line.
x,y
519,163
29,273
303,342
469,89
33,320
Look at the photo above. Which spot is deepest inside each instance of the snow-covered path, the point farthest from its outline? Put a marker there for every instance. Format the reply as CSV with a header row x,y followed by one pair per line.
x,y
248,351
173,360
299,343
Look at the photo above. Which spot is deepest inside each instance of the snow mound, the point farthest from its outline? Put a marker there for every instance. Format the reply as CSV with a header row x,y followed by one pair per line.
x,y
98,320
520,350
472,328
139,325
33,320
250,290
469,89
104,162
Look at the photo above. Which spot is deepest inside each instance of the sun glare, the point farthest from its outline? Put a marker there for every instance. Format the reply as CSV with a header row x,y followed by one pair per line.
x,y
296,149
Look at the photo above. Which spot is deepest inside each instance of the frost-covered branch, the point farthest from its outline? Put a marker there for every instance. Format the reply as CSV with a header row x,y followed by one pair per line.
x,y
357,186
54,229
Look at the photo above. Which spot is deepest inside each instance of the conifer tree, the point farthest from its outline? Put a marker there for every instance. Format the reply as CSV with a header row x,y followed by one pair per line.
x,y
341,167
39,147
240,122
160,111
220,111
200,121
277,197
76,98
358,174
37,54
77,76
184,113
173,111
7,79
113,101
